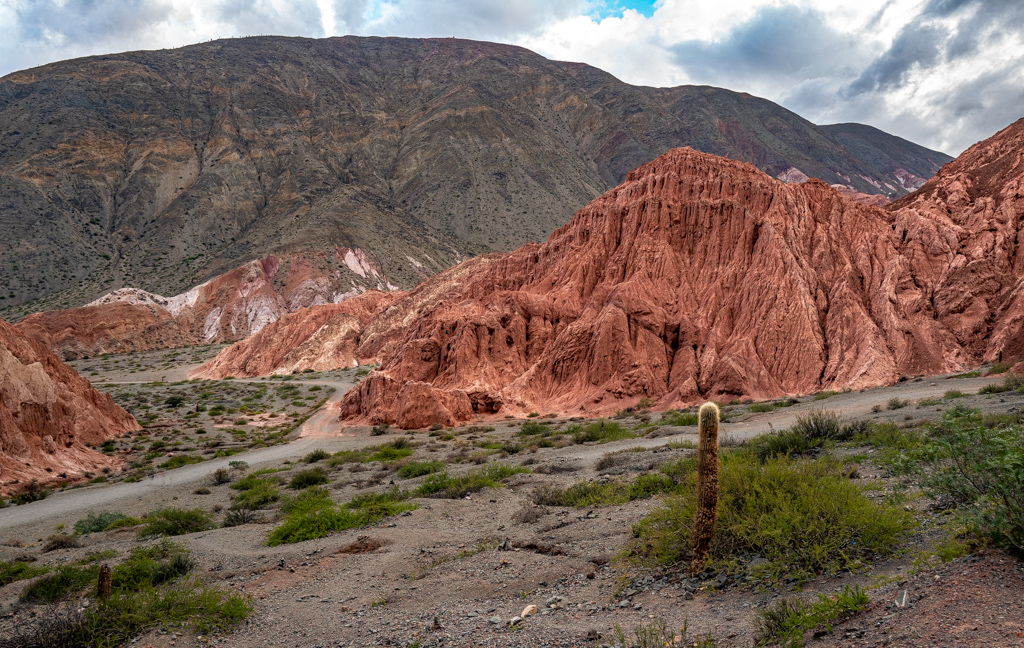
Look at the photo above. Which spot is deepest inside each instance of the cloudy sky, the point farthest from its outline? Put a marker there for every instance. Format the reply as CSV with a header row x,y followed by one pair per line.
x,y
943,73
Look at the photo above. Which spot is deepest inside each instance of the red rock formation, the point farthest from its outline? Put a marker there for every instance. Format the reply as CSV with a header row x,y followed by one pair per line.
x,y
48,416
701,277
229,307
318,338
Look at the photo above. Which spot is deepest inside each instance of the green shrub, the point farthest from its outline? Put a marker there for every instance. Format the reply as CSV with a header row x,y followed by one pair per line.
x,y
379,430
585,494
32,493
317,455
181,460
19,570
785,622
601,431
809,432
151,566
656,634
822,395
677,418
96,522
804,517
761,407
953,393
313,514
257,493
307,478
533,428
65,581
175,521
980,469
419,468
442,485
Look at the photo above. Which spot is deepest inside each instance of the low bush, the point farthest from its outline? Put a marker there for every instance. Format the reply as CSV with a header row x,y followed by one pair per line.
x,y
419,468
317,455
64,581
675,417
61,541
896,403
953,393
804,517
809,432
313,514
822,395
785,622
152,566
533,428
656,634
181,460
16,570
601,431
761,407
442,485
175,521
307,478
981,470
96,522
256,492
612,492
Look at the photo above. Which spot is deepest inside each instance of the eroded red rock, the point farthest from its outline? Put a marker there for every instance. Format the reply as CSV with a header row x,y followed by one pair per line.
x,y
49,415
229,307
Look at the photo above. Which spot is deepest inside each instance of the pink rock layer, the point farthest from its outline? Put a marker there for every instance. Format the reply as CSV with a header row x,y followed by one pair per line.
x,y
49,415
229,307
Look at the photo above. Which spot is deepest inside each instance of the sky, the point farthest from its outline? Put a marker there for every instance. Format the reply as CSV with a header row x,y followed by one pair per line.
x,y
942,73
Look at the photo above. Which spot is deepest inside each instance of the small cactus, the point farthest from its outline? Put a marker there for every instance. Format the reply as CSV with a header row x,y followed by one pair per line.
x,y
707,485
103,587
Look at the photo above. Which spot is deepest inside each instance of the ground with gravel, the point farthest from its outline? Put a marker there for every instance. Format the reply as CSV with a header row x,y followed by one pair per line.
x,y
459,572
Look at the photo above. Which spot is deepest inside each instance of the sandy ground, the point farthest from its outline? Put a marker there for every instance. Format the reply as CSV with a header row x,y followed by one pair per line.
x,y
454,572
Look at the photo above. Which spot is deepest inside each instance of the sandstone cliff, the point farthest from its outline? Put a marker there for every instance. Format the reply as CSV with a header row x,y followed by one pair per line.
x,y
49,415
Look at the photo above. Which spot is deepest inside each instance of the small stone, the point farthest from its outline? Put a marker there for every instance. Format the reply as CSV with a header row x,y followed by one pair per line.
x,y
528,610
515,621
495,619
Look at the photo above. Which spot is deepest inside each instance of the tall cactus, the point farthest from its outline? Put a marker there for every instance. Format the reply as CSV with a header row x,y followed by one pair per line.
x,y
707,485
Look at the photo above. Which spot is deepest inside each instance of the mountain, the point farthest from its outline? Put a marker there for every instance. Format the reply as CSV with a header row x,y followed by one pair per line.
x,y
161,170
701,277
49,415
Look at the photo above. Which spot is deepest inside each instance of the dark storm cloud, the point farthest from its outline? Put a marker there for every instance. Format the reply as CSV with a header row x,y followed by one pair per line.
x,y
779,44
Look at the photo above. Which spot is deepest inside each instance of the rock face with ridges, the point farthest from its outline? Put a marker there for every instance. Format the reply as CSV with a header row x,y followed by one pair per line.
x,y
316,338
701,277
227,308
160,170
49,415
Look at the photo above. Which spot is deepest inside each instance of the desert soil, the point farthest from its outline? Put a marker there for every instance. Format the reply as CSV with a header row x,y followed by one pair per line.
x,y
454,572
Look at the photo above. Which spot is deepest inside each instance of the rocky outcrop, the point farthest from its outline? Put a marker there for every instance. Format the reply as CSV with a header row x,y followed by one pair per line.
x,y
163,169
316,338
49,415
701,277
230,307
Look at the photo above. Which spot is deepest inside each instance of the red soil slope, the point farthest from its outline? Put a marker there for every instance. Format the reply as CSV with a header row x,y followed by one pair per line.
x,y
48,416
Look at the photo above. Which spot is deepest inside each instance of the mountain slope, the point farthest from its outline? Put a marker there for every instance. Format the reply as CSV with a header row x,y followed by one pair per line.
x,y
160,170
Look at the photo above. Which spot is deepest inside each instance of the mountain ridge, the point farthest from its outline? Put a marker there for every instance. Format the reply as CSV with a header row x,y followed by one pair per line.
x,y
160,170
